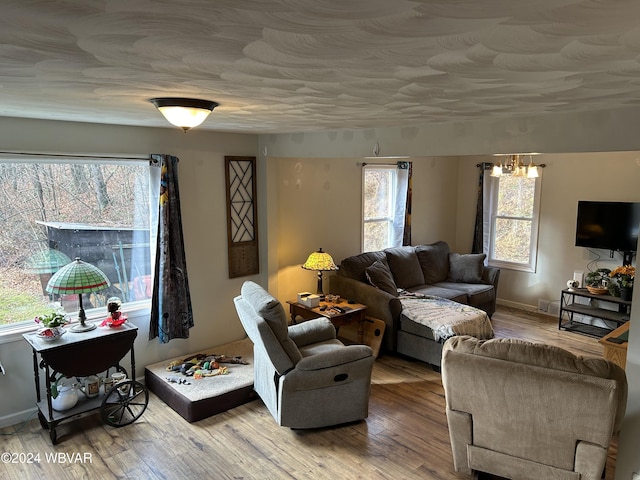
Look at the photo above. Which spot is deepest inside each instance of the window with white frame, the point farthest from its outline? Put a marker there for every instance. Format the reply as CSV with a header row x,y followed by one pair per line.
x,y
55,209
515,206
384,191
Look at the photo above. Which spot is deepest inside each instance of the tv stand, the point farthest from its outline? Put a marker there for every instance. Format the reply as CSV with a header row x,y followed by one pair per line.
x,y
569,307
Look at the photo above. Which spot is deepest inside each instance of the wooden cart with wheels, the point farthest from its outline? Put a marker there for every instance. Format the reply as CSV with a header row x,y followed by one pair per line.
x,y
83,354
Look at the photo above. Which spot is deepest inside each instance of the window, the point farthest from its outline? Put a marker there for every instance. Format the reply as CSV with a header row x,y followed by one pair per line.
x,y
384,199
514,222
56,209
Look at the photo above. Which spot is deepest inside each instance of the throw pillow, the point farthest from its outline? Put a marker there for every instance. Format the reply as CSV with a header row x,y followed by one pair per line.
x,y
466,268
434,260
379,276
405,267
355,266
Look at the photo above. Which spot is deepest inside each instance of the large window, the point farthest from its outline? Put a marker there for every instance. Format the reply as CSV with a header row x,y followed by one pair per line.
x,y
514,222
384,200
54,210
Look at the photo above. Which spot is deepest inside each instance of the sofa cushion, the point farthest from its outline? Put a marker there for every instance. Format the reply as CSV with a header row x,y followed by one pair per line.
x,y
405,266
355,266
466,268
437,290
476,294
379,275
434,261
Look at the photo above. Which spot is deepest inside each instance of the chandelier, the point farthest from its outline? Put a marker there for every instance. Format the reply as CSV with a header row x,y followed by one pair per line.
x,y
514,165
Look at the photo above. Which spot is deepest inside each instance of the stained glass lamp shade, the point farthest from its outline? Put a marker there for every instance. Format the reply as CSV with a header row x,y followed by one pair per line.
x,y
322,262
78,277
46,261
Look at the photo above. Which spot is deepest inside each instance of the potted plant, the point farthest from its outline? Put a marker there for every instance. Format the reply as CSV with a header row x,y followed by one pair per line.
x,y
53,324
598,280
625,275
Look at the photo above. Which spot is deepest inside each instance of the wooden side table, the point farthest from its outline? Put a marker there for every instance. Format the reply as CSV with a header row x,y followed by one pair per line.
x,y
616,350
353,313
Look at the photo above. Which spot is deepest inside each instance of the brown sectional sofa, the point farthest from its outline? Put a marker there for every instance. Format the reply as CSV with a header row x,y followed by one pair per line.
x,y
373,279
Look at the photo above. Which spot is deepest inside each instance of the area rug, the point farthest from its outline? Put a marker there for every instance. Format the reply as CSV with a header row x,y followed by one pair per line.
x,y
195,399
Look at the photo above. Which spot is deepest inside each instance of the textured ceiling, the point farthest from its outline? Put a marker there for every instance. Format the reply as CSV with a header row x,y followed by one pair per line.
x,y
300,65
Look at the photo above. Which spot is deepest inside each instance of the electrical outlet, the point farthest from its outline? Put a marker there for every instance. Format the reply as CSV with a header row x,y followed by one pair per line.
x,y
543,305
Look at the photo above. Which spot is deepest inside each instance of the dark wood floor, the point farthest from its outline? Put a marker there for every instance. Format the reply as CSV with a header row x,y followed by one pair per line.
x,y
405,436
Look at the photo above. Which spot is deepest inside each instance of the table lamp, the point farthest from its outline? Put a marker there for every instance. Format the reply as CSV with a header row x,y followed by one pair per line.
x,y
321,262
78,277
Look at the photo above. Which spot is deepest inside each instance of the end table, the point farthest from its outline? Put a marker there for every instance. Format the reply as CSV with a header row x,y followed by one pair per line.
x,y
351,313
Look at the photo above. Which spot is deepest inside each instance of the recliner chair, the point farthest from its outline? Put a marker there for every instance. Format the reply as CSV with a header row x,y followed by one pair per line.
x,y
524,410
304,375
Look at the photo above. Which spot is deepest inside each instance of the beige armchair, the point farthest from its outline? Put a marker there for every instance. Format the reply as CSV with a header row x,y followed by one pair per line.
x,y
304,375
530,411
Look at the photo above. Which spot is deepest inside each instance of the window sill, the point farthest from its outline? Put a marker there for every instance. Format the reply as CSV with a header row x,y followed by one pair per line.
x,y
9,333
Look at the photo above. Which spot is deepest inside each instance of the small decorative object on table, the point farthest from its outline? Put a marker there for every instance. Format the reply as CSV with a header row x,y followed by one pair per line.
x,y
115,318
597,290
598,281
53,325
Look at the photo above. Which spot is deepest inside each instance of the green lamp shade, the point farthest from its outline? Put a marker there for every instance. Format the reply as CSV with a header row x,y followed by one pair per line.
x,y
77,277
46,261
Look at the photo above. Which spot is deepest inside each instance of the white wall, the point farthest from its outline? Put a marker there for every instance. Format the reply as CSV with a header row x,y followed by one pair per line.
x,y
318,204
203,201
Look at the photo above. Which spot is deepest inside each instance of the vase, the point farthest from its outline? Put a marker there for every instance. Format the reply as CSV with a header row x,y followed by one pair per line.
x,y
626,293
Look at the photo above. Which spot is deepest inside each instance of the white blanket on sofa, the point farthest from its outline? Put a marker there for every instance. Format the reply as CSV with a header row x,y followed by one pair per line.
x,y
446,318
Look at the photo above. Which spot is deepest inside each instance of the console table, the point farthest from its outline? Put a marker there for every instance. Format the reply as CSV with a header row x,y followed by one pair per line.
x,y
569,307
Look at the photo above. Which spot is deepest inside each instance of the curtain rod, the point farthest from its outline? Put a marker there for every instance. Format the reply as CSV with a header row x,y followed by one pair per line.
x,y
63,155
396,164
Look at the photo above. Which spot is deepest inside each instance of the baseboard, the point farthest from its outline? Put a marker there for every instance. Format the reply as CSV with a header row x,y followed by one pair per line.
x,y
18,418
518,305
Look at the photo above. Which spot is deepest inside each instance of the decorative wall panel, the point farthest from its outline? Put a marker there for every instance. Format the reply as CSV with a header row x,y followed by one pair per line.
x,y
242,216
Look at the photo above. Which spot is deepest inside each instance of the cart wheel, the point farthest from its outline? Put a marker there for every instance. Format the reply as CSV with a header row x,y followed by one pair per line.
x,y
43,421
124,403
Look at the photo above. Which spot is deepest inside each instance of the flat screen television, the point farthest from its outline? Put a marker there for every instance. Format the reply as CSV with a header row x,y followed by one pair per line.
x,y
608,225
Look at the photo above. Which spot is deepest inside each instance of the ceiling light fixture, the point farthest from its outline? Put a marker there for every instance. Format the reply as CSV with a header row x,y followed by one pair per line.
x,y
514,166
185,113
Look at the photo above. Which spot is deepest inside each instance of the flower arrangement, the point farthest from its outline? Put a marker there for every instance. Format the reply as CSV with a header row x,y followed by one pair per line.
x,y
51,320
624,274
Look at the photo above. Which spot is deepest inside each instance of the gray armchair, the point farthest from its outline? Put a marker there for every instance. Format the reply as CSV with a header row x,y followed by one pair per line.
x,y
304,375
524,410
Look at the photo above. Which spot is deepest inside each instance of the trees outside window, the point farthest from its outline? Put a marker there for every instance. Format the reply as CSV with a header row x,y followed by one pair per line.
x,y
378,207
52,211
514,222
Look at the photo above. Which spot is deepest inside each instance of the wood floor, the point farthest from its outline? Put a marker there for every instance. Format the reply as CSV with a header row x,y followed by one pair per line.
x,y
405,436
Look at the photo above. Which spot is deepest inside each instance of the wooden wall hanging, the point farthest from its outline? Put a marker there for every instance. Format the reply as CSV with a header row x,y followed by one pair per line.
x,y
242,216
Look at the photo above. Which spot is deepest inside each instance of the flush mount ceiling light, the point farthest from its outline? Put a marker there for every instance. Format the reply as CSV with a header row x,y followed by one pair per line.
x,y
185,113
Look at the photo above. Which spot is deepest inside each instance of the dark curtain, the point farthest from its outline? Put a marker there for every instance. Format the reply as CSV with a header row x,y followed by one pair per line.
x,y
171,312
478,232
406,238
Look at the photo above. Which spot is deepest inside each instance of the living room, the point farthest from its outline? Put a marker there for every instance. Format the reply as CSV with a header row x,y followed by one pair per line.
x,y
296,218
309,181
